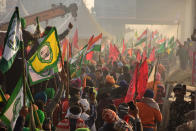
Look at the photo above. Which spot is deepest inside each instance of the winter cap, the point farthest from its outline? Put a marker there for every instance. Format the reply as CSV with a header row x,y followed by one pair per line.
x,y
149,94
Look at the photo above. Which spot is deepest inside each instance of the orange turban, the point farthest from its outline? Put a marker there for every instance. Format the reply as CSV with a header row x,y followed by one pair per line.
x,y
110,79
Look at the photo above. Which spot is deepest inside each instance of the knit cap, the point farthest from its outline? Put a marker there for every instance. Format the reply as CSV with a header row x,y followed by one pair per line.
x,y
149,94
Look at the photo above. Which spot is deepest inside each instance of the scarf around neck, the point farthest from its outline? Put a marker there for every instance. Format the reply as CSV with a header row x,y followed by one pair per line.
x,y
150,102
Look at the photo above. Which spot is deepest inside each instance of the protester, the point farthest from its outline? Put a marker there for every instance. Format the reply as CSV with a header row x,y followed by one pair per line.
x,y
149,111
72,121
178,108
113,123
101,94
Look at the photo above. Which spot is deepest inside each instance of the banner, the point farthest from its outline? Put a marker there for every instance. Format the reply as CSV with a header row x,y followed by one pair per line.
x,y
14,104
12,42
47,55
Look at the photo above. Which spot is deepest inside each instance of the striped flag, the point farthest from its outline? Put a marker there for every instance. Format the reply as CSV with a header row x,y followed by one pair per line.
x,y
95,44
142,38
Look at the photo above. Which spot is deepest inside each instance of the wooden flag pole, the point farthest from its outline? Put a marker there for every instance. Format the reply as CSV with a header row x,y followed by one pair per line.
x,y
147,41
31,121
67,70
37,117
135,95
155,72
24,74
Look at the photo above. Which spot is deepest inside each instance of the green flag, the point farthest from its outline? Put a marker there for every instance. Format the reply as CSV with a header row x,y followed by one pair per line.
x,y
161,48
77,60
12,42
14,104
170,42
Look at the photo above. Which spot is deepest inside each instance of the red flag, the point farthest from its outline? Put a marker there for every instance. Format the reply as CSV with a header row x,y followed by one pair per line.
x,y
111,51
138,57
144,55
124,48
142,79
131,91
89,56
115,53
64,47
152,55
75,39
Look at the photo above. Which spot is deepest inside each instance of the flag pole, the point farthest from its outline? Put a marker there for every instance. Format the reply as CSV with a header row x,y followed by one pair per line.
x,y
67,70
147,41
24,70
32,125
155,72
135,95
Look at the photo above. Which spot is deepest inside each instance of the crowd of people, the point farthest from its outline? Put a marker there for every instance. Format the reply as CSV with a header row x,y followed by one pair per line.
x,y
92,105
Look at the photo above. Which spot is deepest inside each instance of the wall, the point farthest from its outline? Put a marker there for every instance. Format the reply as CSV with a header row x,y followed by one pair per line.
x,y
158,12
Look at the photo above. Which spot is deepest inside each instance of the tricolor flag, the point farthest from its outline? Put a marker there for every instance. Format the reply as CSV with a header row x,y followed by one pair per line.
x,y
161,48
155,35
95,44
12,43
142,38
161,41
78,55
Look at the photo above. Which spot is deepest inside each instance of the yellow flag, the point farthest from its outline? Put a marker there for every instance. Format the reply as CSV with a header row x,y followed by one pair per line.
x,y
47,54
2,96
1,100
